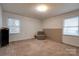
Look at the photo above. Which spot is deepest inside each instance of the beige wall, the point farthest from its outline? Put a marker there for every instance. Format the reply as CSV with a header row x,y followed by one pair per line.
x,y
0,16
28,26
53,28
57,23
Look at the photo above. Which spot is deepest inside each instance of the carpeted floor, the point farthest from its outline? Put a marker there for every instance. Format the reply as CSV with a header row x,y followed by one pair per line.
x,y
34,47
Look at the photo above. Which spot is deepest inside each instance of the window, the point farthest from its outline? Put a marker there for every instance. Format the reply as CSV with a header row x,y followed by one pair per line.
x,y
71,26
14,25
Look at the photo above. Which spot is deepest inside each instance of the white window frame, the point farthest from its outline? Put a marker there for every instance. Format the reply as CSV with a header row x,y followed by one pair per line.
x,y
71,26
13,26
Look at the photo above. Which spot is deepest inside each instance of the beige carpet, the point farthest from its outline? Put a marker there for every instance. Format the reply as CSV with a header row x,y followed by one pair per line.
x,y
34,47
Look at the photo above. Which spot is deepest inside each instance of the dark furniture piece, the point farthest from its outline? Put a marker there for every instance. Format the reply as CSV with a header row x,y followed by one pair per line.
x,y
40,35
4,37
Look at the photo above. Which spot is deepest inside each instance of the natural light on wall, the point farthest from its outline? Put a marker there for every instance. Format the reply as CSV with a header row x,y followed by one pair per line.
x,y
71,26
42,8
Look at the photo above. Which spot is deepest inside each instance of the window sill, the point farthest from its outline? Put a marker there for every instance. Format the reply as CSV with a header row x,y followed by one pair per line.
x,y
72,35
13,33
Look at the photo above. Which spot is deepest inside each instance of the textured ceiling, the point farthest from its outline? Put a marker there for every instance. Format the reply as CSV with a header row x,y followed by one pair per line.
x,y
28,9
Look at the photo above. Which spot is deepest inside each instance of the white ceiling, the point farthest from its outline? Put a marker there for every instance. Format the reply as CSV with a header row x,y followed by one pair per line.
x,y
28,9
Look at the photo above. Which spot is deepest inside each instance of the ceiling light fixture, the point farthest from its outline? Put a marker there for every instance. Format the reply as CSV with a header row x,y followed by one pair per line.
x,y
42,8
